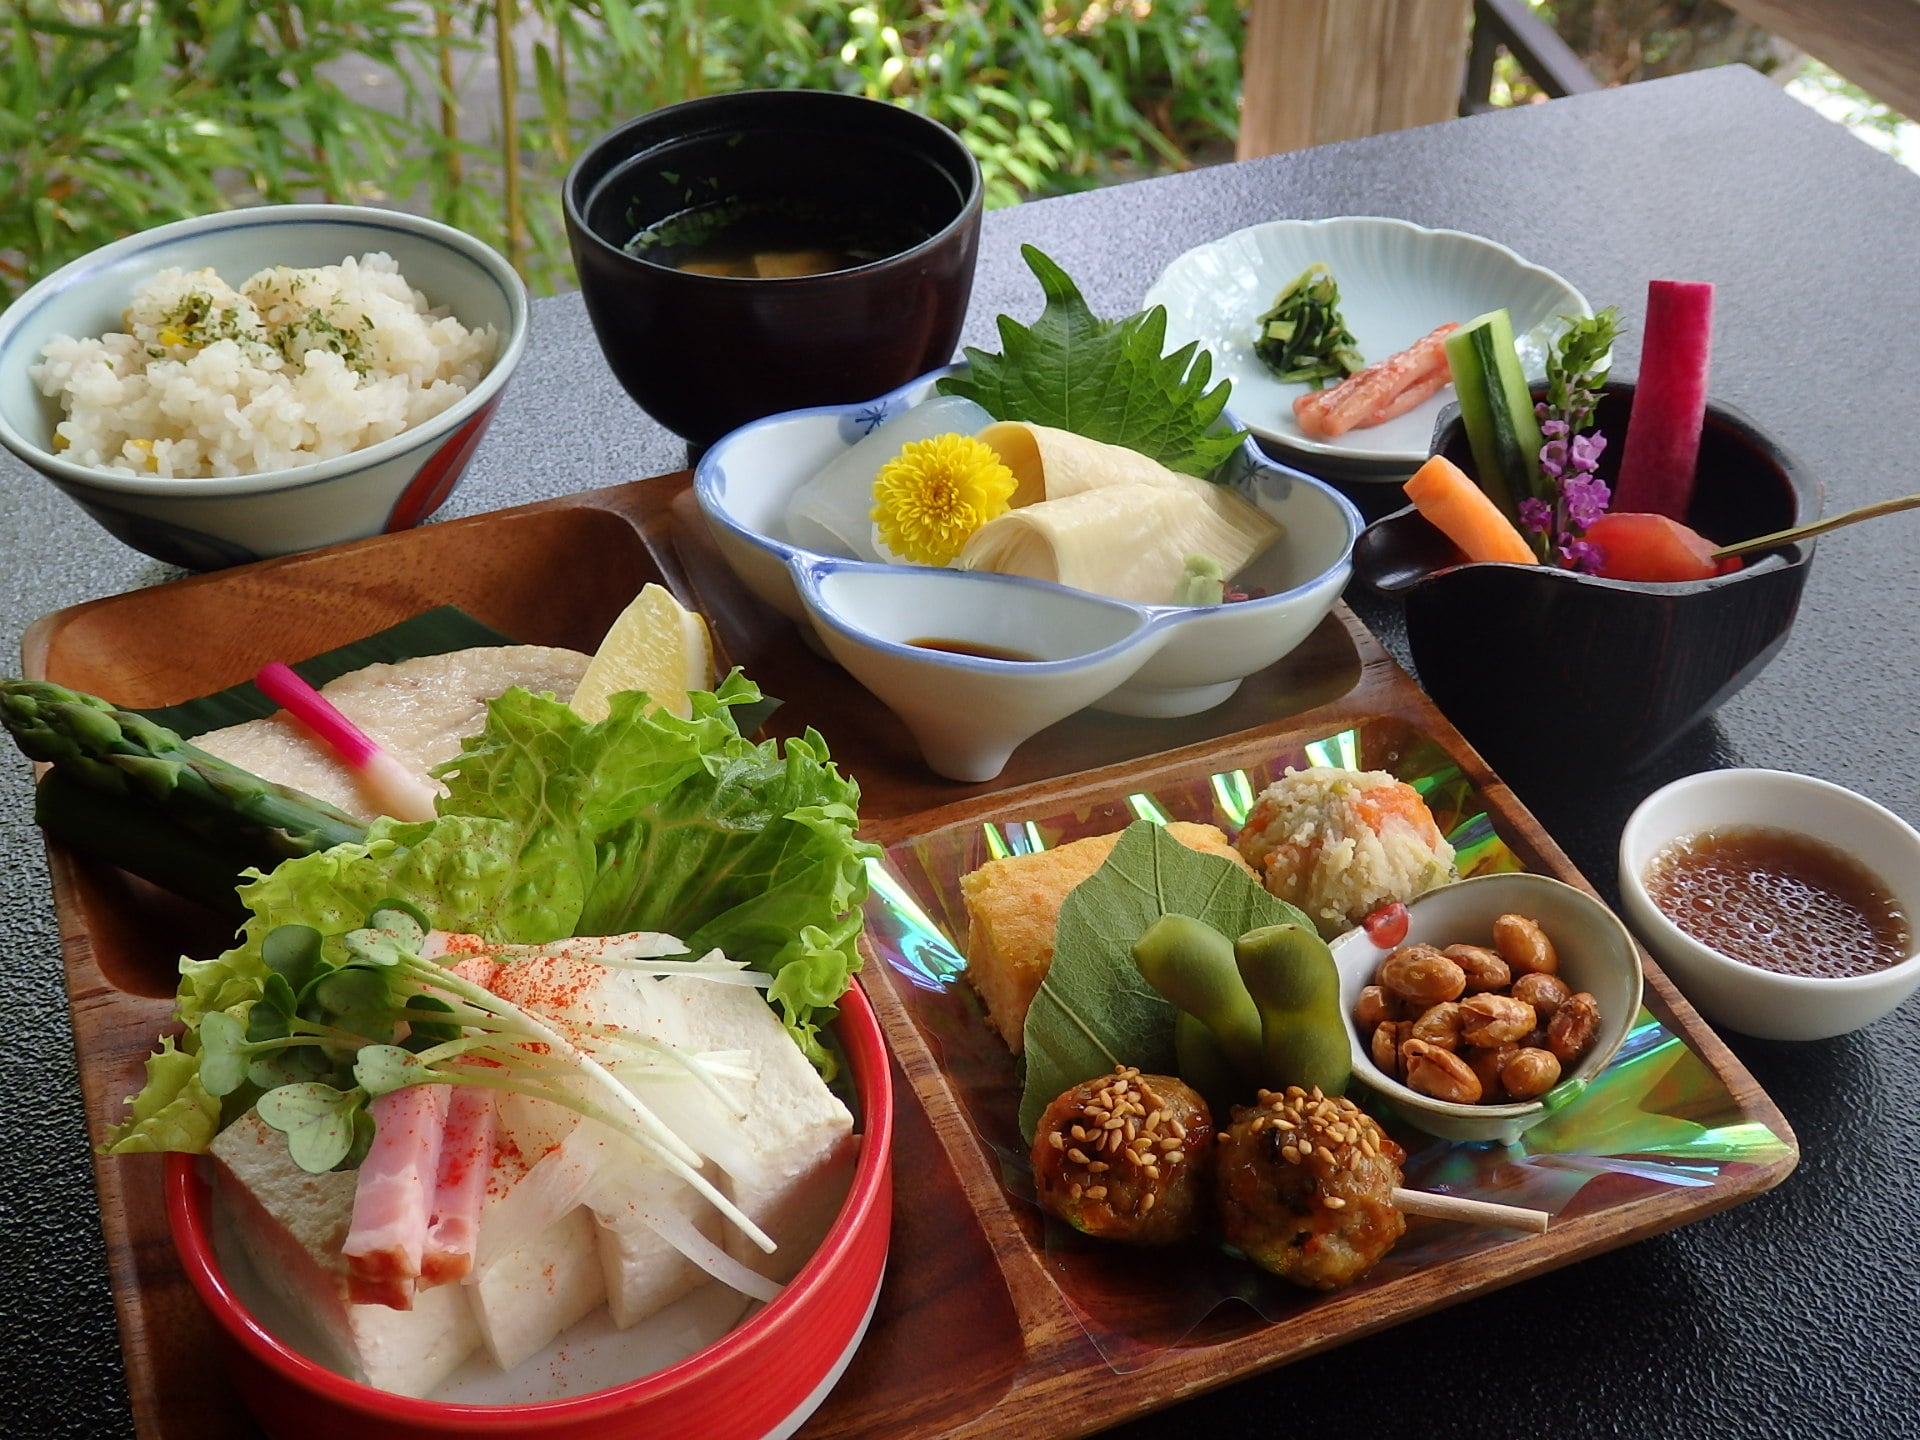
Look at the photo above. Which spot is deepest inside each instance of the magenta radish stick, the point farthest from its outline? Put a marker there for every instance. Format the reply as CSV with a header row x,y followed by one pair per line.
x,y
1662,449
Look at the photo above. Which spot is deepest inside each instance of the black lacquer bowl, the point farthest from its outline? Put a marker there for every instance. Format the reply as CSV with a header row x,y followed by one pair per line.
x,y
1541,667
704,353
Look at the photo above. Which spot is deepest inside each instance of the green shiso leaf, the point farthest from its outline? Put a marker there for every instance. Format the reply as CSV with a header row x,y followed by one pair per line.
x,y
1105,379
1093,1011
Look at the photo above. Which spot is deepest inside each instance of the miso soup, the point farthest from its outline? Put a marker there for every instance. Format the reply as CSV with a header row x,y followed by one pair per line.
x,y
760,240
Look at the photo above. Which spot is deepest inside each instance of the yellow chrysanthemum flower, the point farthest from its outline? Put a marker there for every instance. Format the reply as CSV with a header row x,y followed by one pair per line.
x,y
932,496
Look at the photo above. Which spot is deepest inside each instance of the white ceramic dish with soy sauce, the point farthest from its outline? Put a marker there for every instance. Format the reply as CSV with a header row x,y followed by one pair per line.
x,y
744,483
1768,1003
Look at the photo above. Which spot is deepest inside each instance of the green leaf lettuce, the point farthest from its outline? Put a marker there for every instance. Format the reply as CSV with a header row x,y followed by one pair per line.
x,y
557,827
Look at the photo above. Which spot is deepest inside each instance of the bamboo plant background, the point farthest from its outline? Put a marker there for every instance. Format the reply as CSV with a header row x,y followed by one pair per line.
x,y
116,115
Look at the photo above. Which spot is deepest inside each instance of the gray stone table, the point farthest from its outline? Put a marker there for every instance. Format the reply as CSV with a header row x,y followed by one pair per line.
x,y
1789,1315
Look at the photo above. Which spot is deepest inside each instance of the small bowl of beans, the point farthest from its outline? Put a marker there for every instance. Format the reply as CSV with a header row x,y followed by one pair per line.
x,y
1507,994
1783,905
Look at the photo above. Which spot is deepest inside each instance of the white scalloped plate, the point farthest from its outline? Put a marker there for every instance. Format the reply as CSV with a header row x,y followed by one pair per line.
x,y
1397,281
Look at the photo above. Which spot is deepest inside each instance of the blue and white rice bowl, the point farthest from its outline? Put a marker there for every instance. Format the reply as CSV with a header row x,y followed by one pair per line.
x,y
743,485
228,520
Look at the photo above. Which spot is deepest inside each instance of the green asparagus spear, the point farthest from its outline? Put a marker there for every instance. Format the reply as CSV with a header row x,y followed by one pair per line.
x,y
139,765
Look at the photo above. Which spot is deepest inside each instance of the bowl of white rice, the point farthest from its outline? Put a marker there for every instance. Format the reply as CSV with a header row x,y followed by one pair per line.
x,y
263,381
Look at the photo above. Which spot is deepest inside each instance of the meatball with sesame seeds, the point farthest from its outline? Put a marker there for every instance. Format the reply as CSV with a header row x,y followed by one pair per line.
x,y
1125,1157
1305,1185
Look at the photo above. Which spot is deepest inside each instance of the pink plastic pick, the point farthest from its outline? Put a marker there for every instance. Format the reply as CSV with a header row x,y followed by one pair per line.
x,y
396,789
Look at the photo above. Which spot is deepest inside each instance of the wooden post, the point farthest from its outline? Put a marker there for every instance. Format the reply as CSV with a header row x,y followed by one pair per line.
x,y
1322,70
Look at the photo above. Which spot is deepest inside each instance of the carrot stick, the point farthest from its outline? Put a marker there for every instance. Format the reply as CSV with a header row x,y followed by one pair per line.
x,y
1461,511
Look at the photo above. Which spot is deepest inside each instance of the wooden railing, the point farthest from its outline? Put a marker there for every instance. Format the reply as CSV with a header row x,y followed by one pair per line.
x,y
1512,26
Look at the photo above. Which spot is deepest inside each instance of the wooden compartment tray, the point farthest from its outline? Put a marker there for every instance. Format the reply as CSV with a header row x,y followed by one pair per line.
x,y
1036,1335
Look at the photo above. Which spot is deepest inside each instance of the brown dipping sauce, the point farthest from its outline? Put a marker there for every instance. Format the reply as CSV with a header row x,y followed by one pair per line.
x,y
1781,902
976,650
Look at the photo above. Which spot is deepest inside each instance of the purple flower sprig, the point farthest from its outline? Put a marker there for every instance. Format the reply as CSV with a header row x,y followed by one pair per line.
x,y
1573,495
1581,497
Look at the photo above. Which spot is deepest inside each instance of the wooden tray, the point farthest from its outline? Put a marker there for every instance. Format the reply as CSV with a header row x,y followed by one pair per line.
x,y
969,1278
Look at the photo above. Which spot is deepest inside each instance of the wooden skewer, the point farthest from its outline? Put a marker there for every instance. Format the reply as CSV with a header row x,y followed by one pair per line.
x,y
1471,1212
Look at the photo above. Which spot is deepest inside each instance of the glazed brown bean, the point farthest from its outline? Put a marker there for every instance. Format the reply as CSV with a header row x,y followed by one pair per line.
x,y
1530,1073
1385,1045
1524,946
1487,1064
1574,1027
1439,1025
1484,968
1545,993
1494,1019
1439,1073
1423,975
1375,1004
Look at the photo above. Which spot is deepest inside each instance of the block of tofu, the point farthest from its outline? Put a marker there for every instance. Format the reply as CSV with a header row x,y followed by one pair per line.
x,y
1013,905
527,1297
784,1147
643,1272
788,1158
291,1224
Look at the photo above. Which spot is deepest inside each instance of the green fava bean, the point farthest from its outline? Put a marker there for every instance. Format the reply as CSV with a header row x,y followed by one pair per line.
x,y
1289,972
1204,1065
1191,964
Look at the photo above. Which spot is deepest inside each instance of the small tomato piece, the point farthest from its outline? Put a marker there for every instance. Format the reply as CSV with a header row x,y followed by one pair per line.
x,y
1387,926
1650,547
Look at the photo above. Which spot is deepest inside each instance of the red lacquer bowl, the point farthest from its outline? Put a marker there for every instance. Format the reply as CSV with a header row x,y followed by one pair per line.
x,y
759,1381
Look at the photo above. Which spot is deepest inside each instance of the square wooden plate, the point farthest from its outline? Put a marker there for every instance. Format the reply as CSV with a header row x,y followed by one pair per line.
x,y
974,1275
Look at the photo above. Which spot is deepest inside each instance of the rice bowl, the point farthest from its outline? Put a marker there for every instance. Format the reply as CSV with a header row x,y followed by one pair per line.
x,y
388,485
293,366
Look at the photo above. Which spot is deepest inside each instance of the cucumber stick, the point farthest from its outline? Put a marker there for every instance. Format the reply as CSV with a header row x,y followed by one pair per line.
x,y
1496,409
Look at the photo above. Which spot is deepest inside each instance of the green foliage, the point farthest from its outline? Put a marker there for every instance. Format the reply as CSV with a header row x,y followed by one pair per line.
x,y
146,111
1108,380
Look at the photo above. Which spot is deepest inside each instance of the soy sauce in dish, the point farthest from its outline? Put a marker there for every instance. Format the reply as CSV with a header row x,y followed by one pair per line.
x,y
976,650
1781,902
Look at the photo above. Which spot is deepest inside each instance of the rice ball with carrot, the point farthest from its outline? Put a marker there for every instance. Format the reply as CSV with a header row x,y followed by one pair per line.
x,y
1341,843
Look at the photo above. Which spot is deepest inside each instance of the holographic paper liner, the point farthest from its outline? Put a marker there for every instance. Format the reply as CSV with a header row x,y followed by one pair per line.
x,y
1656,1118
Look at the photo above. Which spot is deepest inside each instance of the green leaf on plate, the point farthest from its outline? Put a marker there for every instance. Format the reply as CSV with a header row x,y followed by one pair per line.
x,y
1105,379
1093,1011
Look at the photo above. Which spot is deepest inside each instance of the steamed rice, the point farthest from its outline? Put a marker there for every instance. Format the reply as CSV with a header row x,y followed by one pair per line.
x,y
1341,843
294,367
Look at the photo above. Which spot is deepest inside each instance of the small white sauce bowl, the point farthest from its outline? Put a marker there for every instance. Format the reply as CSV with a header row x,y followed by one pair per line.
x,y
1743,997
969,712
1596,953
743,485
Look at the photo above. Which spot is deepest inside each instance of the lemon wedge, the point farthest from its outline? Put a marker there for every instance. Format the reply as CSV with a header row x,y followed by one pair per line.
x,y
656,645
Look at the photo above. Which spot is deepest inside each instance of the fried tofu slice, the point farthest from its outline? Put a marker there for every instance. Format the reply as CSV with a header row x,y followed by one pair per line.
x,y
1014,904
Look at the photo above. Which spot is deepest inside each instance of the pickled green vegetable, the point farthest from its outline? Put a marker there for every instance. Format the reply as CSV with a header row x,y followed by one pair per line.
x,y
1289,972
1192,965
1302,337
1204,1065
